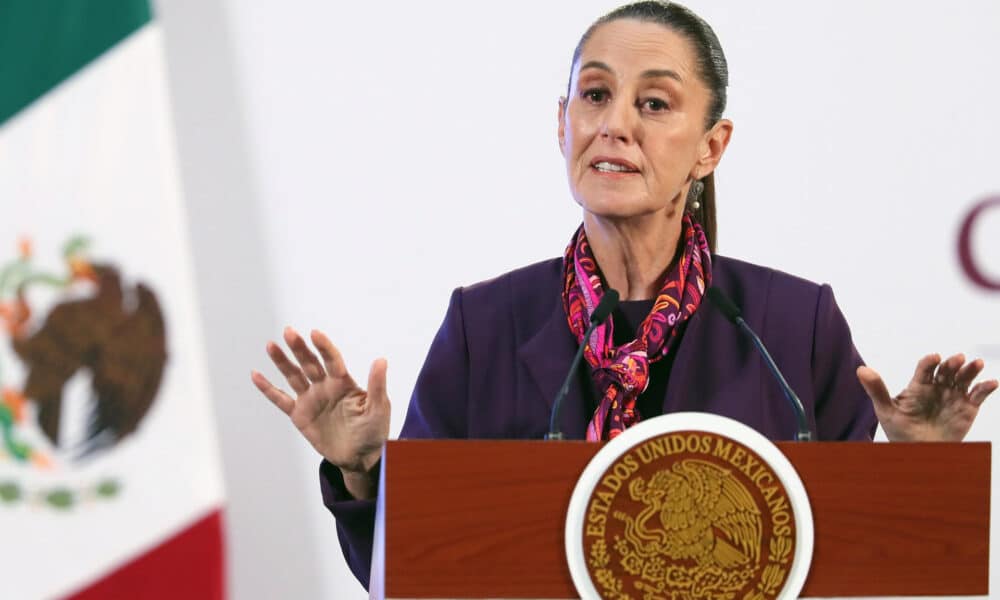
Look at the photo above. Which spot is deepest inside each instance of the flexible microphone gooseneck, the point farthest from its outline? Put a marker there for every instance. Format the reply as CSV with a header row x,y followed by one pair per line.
x,y
732,312
604,308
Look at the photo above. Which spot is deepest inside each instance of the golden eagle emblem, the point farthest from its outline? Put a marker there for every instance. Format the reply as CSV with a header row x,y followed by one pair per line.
x,y
695,511
689,516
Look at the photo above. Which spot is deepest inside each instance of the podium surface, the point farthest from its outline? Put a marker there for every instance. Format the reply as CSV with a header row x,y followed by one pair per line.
x,y
485,519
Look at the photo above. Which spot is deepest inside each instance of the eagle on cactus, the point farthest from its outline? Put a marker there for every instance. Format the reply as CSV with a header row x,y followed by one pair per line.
x,y
115,333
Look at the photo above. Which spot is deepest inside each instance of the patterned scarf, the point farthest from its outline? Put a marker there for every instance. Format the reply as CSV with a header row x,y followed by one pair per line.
x,y
622,373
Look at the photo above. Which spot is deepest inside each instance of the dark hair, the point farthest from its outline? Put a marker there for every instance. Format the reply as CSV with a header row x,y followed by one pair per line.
x,y
712,69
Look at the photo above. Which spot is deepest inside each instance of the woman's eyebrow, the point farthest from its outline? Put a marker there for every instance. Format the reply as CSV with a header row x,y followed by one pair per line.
x,y
656,73
647,74
596,64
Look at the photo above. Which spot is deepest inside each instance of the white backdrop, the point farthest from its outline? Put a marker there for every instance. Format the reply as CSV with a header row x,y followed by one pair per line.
x,y
399,149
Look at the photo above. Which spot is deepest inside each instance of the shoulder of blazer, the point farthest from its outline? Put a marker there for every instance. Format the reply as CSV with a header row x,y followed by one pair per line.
x,y
754,282
771,300
529,293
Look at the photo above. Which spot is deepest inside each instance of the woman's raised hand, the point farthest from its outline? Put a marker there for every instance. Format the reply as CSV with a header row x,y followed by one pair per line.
x,y
939,404
343,422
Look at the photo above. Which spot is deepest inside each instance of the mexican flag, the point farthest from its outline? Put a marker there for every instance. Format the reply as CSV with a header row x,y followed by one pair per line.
x,y
110,477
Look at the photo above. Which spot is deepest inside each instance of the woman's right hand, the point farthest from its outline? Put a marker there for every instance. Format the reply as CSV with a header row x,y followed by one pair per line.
x,y
343,422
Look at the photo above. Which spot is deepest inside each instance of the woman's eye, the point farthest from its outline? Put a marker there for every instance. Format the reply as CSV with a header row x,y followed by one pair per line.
x,y
655,105
595,95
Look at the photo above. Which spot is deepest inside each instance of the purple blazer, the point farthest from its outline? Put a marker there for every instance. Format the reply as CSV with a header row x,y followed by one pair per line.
x,y
504,348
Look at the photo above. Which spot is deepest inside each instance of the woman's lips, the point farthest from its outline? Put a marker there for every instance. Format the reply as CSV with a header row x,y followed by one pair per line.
x,y
613,174
613,167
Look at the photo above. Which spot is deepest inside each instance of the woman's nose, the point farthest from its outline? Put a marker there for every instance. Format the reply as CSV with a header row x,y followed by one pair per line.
x,y
619,122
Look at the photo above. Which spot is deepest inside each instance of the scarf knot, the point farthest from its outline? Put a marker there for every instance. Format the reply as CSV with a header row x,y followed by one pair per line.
x,y
629,371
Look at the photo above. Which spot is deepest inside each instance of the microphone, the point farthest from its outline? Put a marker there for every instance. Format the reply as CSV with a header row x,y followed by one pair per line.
x,y
733,314
604,308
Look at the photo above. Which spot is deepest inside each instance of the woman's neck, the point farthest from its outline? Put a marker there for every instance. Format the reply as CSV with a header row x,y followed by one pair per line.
x,y
634,254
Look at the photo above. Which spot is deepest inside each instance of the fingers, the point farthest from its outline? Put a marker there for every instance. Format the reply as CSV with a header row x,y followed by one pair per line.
x,y
308,361
875,387
332,359
376,380
280,399
312,370
292,373
982,389
948,369
968,373
924,372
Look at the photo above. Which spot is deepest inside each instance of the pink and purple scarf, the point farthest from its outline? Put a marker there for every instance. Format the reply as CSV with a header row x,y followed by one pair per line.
x,y
622,373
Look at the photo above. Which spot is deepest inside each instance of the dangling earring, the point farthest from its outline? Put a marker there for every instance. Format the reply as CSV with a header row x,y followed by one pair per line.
x,y
694,195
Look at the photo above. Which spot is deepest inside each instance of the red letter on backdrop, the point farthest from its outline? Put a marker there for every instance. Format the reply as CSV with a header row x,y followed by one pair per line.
x,y
965,257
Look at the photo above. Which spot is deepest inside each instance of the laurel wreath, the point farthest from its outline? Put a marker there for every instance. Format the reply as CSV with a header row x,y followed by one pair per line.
x,y
59,497
779,553
663,575
605,577
780,549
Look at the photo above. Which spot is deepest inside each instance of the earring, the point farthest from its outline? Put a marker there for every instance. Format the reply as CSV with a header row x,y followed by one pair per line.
x,y
694,195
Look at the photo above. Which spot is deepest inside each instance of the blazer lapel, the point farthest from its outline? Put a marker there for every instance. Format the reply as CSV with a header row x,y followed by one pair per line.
x,y
546,357
680,371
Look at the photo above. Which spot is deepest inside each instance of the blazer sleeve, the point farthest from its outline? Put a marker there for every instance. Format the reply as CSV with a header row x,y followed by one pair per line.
x,y
438,409
843,409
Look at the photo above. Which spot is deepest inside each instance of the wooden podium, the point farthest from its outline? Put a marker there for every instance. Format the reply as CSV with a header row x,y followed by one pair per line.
x,y
485,519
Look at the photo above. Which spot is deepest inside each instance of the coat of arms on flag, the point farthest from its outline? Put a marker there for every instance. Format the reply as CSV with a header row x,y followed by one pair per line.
x,y
93,328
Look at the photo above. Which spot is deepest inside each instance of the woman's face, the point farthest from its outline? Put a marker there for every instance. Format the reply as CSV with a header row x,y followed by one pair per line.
x,y
633,128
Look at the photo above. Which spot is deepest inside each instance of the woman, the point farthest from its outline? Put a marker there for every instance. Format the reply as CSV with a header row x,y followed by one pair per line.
x,y
641,130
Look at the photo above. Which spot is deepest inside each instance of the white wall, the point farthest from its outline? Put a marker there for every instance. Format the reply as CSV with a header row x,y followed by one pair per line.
x,y
391,151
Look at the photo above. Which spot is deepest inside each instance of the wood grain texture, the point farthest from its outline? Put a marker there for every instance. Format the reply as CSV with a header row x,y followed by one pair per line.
x,y
484,519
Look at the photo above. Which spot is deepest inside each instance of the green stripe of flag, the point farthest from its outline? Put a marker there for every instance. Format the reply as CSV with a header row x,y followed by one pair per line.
x,y
43,42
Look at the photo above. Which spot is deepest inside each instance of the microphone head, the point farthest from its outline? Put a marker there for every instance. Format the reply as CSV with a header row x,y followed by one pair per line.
x,y
723,303
604,308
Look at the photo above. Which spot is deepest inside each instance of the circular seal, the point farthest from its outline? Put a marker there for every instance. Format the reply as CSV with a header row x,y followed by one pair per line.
x,y
689,505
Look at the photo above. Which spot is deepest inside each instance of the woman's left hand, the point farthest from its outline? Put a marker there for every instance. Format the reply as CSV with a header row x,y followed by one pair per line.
x,y
937,405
